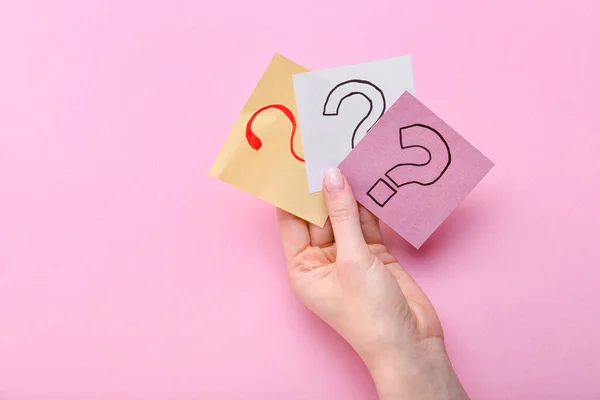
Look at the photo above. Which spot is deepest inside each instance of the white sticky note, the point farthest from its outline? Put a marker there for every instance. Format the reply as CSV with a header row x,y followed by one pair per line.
x,y
337,106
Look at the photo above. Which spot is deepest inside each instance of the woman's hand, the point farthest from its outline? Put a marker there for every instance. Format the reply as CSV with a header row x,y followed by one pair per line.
x,y
345,275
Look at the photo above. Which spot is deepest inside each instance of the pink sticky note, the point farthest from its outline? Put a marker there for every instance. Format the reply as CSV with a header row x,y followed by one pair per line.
x,y
412,169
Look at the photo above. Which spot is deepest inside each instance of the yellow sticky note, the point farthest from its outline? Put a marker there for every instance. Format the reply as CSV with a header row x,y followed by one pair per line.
x,y
263,153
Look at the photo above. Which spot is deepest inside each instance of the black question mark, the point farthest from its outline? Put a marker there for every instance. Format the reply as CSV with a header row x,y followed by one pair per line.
x,y
356,87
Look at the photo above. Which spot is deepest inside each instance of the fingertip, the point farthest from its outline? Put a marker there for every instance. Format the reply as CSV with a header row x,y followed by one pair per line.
x,y
282,214
333,180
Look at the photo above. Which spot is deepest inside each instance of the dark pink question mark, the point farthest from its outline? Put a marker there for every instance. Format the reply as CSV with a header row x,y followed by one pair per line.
x,y
414,139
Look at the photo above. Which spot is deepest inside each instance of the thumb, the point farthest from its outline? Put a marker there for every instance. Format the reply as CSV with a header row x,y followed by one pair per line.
x,y
343,212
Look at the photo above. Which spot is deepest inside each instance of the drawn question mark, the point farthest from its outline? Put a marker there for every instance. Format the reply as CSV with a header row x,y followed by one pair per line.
x,y
255,142
369,91
425,173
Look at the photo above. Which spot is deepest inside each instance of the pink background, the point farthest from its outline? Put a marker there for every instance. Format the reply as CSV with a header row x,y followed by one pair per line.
x,y
127,272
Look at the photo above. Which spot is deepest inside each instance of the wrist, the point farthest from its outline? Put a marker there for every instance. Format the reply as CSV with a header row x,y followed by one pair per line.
x,y
420,371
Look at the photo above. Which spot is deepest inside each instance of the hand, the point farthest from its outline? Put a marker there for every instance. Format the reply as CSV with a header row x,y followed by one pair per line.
x,y
346,275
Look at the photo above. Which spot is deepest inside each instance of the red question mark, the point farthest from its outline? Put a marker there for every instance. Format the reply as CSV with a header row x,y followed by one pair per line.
x,y
255,142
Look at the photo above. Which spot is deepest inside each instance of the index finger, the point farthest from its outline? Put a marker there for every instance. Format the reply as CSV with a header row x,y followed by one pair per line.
x,y
295,236
369,224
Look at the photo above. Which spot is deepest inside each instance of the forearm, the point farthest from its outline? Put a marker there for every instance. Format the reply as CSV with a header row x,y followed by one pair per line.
x,y
424,373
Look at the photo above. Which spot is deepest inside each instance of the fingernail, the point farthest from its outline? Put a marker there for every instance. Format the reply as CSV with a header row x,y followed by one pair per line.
x,y
334,182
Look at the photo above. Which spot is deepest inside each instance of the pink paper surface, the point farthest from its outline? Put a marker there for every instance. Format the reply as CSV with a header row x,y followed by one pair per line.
x,y
127,272
412,169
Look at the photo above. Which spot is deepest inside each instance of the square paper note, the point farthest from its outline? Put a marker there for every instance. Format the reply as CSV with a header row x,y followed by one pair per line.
x,y
263,152
337,106
412,169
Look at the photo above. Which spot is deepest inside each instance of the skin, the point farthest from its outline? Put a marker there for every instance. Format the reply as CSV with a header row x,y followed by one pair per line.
x,y
345,275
